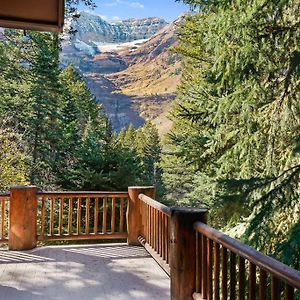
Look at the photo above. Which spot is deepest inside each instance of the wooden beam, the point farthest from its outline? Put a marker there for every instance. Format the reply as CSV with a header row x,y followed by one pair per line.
x,y
41,15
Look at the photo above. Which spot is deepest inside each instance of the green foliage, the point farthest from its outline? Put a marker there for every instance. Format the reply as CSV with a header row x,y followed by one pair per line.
x,y
236,120
144,145
68,141
12,159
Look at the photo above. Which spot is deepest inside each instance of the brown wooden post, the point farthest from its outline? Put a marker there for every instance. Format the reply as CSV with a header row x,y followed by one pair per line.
x,y
134,218
23,218
183,251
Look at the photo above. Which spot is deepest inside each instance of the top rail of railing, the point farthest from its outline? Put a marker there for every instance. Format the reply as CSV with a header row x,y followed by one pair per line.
x,y
155,204
74,194
269,264
82,194
4,195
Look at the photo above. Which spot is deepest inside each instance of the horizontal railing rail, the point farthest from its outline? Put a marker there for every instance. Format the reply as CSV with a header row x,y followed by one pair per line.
x,y
4,207
156,230
82,215
219,253
156,205
83,194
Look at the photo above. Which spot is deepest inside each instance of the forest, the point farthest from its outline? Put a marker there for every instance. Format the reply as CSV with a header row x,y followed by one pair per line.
x,y
234,146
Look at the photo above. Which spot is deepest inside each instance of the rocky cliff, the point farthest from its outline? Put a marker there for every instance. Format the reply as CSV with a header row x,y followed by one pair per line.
x,y
93,29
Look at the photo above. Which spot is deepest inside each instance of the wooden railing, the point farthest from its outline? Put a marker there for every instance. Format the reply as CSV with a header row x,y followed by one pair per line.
x,y
4,212
82,215
203,263
156,230
226,268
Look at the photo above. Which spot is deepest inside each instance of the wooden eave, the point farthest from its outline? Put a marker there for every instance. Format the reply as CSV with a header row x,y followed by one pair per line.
x,y
41,15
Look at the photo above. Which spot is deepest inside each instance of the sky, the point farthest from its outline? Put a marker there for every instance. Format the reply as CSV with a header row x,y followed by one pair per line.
x,y
114,10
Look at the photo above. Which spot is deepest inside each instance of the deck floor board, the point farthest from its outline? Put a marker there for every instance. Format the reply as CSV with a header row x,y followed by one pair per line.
x,y
82,272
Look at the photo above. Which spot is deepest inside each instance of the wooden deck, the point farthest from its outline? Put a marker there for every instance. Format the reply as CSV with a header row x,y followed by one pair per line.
x,y
103,272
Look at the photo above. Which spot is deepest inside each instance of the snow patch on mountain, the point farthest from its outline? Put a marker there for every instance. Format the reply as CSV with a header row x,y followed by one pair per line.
x,y
113,47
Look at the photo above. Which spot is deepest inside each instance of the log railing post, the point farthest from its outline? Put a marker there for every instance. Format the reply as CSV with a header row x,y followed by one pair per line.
x,y
183,251
134,217
23,218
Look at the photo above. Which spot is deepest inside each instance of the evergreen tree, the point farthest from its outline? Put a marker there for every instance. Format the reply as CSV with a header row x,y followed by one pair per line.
x,y
44,95
129,137
12,159
236,120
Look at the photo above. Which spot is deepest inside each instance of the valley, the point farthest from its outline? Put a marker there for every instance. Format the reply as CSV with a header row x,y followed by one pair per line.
x,y
133,74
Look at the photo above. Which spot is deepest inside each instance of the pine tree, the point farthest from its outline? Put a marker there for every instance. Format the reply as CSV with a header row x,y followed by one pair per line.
x,y
129,137
12,159
45,94
237,117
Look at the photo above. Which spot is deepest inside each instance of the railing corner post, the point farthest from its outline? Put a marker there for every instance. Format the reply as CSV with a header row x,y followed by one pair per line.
x,y
134,218
23,218
183,251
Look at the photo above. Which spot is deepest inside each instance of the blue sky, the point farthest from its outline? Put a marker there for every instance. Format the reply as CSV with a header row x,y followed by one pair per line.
x,y
114,10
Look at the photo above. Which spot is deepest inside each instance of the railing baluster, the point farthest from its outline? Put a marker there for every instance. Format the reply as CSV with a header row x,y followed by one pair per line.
x,y
79,216
3,215
275,293
160,233
163,237
96,215
70,216
152,229
104,215
60,220
209,269
113,214
289,292
224,273
155,230
217,271
168,240
242,273
150,226
43,218
147,222
204,267
198,262
144,219
252,281
262,284
121,216
232,275
52,217
87,215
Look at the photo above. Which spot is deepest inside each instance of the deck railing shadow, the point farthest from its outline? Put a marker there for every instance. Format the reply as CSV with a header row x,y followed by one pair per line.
x,y
81,272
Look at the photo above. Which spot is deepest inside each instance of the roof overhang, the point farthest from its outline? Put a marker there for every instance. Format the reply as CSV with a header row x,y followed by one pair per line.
x,y
42,15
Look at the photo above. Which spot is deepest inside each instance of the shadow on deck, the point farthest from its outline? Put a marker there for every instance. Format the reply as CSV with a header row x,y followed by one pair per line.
x,y
109,271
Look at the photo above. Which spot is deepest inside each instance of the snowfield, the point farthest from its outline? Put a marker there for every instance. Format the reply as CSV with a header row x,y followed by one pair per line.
x,y
104,47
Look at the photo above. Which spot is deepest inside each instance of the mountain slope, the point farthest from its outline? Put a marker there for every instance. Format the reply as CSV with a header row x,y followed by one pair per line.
x,y
135,80
152,68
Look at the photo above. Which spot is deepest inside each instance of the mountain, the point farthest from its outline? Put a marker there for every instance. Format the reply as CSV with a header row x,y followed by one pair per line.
x,y
152,67
93,29
128,66
92,32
